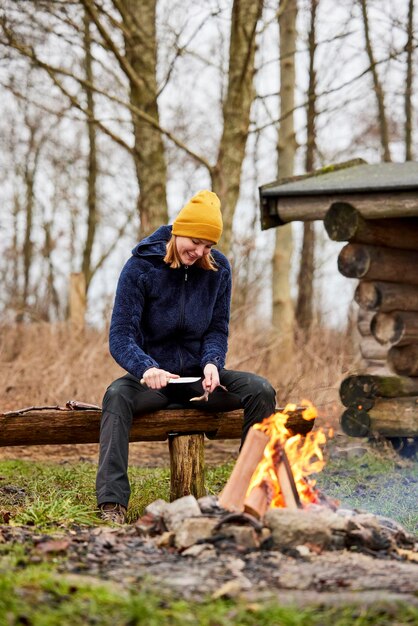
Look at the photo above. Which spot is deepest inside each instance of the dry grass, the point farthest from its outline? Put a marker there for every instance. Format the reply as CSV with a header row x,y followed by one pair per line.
x,y
50,364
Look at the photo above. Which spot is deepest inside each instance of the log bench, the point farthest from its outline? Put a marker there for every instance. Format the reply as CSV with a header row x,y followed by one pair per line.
x,y
184,429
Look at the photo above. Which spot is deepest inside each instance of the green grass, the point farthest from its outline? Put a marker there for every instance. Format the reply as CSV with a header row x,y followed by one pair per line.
x,y
36,596
51,496
48,494
375,482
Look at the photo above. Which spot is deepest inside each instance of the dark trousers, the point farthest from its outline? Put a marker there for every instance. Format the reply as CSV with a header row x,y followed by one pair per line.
x,y
126,398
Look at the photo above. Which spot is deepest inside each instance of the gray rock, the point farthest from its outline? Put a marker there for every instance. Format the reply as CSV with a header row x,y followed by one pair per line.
x,y
291,528
156,508
200,551
175,512
194,529
244,536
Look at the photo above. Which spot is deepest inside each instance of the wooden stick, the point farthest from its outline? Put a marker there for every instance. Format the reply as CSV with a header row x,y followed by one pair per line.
x,y
233,495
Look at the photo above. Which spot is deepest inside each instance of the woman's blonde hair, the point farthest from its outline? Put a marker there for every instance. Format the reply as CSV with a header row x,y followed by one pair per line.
x,y
172,258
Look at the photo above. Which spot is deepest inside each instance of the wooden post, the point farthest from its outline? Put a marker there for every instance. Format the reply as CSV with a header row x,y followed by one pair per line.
x,y
77,300
187,466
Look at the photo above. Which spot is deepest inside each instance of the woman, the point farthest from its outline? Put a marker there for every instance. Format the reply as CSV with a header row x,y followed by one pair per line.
x,y
170,319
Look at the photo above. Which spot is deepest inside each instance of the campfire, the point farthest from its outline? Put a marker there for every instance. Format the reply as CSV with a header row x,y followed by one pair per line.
x,y
274,467
271,502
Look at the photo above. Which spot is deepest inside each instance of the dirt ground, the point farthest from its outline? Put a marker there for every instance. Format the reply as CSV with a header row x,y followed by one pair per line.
x,y
143,454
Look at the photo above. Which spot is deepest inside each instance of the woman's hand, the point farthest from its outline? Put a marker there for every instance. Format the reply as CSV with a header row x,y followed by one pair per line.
x,y
155,378
211,377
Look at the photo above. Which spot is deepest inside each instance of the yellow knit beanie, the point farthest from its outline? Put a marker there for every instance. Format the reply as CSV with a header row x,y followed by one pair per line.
x,y
201,217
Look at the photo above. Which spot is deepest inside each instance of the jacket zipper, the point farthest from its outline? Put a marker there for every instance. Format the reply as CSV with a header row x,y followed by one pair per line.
x,y
182,312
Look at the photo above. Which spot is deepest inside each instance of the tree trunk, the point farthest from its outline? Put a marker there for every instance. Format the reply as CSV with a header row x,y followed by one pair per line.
x,y
378,89
409,82
187,466
92,157
304,305
396,328
283,312
226,174
404,360
141,52
380,296
344,223
375,263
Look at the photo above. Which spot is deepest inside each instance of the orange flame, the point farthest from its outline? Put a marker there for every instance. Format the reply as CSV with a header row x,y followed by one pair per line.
x,y
304,454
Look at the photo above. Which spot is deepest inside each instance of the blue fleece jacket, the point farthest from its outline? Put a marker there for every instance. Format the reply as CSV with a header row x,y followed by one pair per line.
x,y
175,319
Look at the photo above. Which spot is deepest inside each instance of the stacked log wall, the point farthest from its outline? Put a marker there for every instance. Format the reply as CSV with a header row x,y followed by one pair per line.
x,y
382,254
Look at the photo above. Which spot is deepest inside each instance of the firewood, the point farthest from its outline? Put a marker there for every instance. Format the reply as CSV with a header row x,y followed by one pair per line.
x,y
344,223
384,297
257,502
364,389
377,263
404,360
233,495
287,482
395,328
390,417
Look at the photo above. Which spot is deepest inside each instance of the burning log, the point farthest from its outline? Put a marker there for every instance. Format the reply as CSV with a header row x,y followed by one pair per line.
x,y
362,391
396,328
404,360
258,500
394,417
286,481
344,223
378,263
233,495
384,297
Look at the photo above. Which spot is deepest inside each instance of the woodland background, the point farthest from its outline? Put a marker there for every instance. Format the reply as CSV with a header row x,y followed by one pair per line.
x,y
114,112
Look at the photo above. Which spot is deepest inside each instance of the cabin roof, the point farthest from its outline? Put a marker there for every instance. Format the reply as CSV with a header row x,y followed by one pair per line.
x,y
351,180
359,178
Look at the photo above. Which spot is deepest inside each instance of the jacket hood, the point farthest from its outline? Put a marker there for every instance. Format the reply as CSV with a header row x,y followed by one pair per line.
x,y
153,245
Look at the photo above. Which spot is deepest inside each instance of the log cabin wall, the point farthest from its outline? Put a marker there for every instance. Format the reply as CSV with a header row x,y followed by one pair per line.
x,y
382,254
374,209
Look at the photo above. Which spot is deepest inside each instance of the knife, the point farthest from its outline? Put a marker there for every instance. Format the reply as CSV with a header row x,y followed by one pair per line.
x,y
184,379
